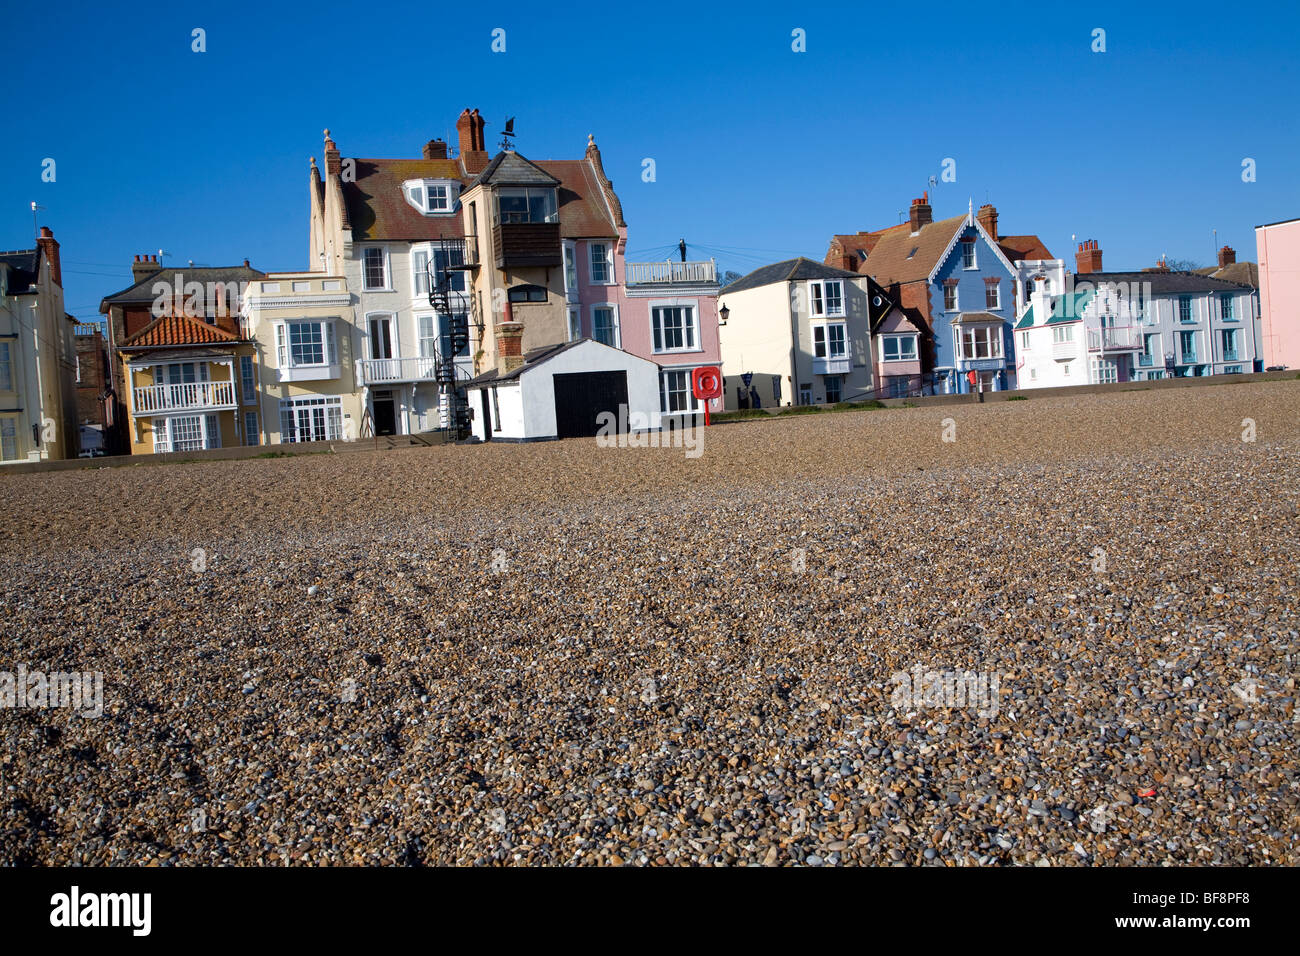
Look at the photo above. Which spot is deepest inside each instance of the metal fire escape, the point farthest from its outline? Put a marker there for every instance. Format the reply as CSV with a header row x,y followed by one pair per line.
x,y
455,406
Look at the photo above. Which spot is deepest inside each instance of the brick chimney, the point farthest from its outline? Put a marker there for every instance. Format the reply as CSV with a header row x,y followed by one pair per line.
x,y
435,149
510,342
144,266
1088,258
988,218
1227,256
469,133
921,214
50,249
333,163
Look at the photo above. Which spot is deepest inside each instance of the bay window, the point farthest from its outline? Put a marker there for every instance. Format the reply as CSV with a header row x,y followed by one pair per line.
x,y
826,297
829,340
981,342
531,204
898,348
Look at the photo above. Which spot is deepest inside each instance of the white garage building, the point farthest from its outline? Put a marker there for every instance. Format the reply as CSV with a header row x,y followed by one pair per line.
x,y
560,391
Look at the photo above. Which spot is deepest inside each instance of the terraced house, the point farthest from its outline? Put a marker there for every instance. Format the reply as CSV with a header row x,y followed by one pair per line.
x,y
958,282
801,332
1099,327
38,400
187,369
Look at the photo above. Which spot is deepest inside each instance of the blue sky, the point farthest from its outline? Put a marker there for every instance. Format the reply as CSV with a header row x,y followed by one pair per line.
x,y
761,152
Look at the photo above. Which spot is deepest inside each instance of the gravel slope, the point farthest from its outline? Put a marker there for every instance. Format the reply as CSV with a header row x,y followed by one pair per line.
x,y
560,653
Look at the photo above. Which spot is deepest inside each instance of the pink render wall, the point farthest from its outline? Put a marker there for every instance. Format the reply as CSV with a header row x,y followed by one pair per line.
x,y
1278,251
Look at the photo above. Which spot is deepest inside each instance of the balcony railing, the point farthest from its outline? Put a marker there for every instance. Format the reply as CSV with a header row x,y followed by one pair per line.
x,y
423,368
671,273
1114,339
525,244
212,396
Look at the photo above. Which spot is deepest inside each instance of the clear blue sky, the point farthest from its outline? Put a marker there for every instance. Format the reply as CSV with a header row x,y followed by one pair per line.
x,y
759,150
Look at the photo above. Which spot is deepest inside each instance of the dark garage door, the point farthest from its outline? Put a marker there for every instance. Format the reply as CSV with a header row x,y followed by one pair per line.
x,y
581,396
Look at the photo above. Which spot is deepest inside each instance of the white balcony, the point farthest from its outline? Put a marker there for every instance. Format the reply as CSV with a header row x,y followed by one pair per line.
x,y
389,371
1064,351
185,396
832,366
1114,339
671,273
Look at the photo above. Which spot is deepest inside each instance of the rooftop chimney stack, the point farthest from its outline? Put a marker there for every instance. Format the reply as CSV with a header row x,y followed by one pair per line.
x,y
144,266
988,218
435,149
1088,258
1227,256
469,136
510,342
50,248
921,214
333,163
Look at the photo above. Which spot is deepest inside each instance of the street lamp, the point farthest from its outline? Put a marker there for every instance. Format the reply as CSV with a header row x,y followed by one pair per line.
x,y
723,313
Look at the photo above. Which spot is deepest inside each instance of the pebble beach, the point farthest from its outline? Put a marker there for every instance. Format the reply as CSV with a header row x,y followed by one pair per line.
x,y
566,654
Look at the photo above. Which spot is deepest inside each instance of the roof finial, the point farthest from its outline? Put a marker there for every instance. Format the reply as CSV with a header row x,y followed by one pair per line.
x,y
591,140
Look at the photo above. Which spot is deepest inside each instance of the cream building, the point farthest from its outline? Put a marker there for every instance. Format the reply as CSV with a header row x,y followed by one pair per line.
x,y
306,343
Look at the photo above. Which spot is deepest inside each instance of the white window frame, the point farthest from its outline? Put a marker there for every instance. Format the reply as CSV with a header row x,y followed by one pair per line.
x,y
956,298
1061,334
825,328
819,301
388,270
417,193
6,368
1109,366
248,379
333,424
9,438
997,296
693,404
1024,339
991,332
690,327
571,288
575,323
291,370
613,307
253,435
900,337
606,260
394,345
974,256
420,280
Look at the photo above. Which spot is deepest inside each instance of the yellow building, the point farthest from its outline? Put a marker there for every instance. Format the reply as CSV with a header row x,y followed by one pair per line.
x,y
190,386
306,344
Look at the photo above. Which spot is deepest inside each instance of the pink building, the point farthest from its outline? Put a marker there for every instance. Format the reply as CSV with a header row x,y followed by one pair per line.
x,y
1278,246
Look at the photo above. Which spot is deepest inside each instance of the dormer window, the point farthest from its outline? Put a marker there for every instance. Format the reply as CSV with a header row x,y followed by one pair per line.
x,y
526,204
433,197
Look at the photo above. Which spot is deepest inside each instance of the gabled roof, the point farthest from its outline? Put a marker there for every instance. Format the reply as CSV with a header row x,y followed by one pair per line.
x,y
1243,273
377,208
508,168
1164,283
532,359
171,330
788,270
900,256
142,290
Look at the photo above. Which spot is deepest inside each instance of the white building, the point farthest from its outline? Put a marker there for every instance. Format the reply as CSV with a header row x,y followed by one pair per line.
x,y
560,391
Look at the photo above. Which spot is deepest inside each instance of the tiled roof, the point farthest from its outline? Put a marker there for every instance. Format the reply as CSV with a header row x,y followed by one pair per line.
x,y
1023,247
377,208
900,256
508,168
1243,273
786,271
585,211
179,330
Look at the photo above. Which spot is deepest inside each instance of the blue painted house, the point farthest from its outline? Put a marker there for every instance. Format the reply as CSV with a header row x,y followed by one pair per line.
x,y
956,279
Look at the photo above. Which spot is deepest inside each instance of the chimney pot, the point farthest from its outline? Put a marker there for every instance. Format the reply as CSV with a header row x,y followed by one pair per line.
x,y
1227,256
1088,258
920,214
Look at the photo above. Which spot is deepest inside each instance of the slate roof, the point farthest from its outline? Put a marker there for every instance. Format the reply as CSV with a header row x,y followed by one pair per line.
x,y
786,271
179,330
24,269
508,168
142,291
532,359
1164,283
377,208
